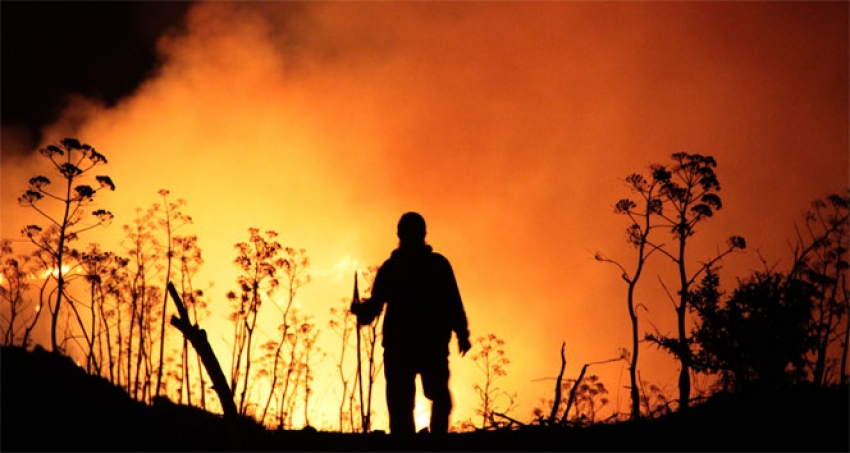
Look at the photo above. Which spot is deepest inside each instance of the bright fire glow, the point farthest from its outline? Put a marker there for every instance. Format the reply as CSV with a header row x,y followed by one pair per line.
x,y
422,412
55,271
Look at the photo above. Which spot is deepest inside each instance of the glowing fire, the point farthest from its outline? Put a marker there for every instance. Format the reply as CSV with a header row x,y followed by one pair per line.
x,y
422,412
55,271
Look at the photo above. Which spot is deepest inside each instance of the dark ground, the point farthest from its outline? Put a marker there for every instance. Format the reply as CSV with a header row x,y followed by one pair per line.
x,y
49,404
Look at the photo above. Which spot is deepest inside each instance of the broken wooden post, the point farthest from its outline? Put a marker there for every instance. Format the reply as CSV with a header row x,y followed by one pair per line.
x,y
198,338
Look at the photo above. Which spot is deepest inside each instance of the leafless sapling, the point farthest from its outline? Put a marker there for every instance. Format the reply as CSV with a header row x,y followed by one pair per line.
x,y
641,217
821,258
19,312
345,326
169,217
73,161
294,267
258,262
689,192
490,358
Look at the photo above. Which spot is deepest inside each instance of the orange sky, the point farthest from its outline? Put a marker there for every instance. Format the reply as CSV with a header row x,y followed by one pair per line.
x,y
509,125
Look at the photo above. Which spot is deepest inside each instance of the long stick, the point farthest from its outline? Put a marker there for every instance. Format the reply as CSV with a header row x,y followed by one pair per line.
x,y
356,300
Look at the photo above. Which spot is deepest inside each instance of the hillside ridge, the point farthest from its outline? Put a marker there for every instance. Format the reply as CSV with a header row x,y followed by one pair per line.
x,y
51,404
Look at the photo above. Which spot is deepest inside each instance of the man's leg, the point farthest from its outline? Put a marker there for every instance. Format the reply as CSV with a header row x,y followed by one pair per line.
x,y
435,386
401,392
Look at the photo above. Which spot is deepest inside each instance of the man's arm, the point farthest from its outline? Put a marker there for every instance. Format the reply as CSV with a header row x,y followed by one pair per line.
x,y
367,310
457,314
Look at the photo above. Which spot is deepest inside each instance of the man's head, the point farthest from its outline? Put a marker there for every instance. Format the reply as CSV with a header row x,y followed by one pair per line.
x,y
411,229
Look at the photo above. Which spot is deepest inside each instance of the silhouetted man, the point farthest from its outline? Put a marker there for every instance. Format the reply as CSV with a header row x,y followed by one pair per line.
x,y
424,307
